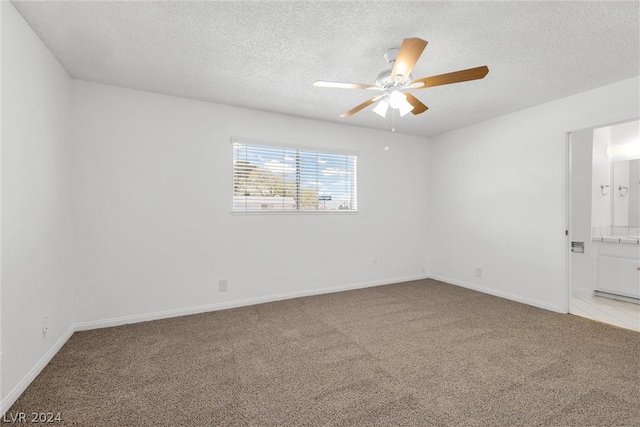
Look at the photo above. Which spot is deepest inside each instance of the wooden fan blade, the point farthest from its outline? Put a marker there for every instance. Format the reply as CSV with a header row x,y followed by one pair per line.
x,y
418,107
361,106
409,54
455,77
338,85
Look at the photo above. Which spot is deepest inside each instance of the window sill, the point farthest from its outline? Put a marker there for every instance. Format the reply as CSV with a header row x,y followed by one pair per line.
x,y
304,212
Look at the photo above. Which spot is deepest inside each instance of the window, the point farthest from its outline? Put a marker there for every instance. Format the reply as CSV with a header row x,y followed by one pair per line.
x,y
271,178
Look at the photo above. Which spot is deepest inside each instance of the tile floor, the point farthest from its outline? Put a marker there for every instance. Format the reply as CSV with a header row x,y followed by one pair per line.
x,y
607,310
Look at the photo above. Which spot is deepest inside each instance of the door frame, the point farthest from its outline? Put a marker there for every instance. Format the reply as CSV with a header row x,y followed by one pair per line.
x,y
567,206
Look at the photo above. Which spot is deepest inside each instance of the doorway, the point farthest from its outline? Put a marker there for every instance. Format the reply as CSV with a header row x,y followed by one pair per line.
x,y
604,224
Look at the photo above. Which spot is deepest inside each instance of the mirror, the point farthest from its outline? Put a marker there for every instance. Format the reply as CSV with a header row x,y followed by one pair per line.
x,y
615,192
626,193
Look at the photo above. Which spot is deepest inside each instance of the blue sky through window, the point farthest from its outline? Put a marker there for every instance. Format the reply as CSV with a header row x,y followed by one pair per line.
x,y
331,175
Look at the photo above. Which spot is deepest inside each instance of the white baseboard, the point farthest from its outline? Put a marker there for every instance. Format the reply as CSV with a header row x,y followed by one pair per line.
x,y
13,395
501,294
583,292
9,400
136,318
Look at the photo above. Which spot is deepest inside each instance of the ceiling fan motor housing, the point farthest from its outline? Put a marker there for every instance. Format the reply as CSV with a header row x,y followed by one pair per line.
x,y
395,90
390,55
384,79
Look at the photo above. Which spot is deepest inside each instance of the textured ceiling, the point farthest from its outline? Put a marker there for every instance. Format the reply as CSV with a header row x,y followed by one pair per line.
x,y
265,55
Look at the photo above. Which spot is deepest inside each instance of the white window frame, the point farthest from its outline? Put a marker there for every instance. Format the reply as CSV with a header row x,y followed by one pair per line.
x,y
319,150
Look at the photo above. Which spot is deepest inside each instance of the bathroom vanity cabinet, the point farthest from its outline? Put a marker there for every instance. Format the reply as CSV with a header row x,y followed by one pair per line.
x,y
617,266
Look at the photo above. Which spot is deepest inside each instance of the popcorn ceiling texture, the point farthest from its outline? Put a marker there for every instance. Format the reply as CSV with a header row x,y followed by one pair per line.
x,y
265,55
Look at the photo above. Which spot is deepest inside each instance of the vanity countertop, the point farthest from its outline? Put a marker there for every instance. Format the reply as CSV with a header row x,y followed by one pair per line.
x,y
629,240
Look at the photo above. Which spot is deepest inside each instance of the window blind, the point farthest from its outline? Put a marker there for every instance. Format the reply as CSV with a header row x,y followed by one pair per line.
x,y
272,178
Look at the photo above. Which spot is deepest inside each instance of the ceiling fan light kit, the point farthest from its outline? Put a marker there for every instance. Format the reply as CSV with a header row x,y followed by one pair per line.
x,y
396,81
398,101
381,108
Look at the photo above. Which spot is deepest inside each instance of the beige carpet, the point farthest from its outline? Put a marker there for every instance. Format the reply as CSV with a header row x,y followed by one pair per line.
x,y
419,353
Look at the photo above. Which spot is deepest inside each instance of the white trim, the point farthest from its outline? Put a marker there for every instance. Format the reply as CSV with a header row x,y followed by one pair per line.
x,y
506,295
13,395
292,146
566,213
298,212
124,320
566,196
297,209
582,292
10,399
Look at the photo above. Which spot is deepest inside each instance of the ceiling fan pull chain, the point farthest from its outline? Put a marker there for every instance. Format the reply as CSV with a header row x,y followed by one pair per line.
x,y
393,120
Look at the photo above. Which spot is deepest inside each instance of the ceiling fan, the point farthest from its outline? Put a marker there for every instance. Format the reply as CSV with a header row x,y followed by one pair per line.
x,y
397,81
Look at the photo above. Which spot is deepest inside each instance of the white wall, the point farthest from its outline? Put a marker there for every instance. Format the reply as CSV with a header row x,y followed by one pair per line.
x,y
496,195
620,201
634,194
601,204
37,256
147,180
1,34
580,194
155,230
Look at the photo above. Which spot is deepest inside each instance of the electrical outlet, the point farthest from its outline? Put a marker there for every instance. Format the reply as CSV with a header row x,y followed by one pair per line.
x,y
45,325
222,285
478,271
